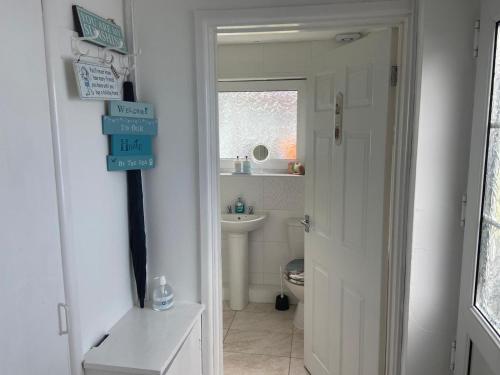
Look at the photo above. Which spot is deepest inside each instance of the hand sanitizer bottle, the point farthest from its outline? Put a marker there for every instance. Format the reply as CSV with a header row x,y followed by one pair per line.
x,y
237,165
247,168
163,296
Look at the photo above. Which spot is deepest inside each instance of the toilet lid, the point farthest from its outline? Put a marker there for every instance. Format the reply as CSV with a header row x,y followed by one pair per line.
x,y
294,271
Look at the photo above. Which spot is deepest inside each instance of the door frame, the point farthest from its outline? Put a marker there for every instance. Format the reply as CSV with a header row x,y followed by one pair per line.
x,y
302,17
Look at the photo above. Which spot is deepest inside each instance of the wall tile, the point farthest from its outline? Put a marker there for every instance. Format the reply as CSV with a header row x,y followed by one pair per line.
x,y
248,187
255,256
283,193
276,227
276,254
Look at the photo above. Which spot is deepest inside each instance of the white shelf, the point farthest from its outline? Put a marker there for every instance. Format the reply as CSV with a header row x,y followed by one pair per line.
x,y
144,341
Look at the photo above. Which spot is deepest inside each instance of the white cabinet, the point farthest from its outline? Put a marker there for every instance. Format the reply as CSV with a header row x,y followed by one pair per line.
x,y
188,359
146,342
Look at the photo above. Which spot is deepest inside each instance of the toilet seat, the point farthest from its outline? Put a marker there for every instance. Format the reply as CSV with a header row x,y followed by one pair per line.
x,y
294,271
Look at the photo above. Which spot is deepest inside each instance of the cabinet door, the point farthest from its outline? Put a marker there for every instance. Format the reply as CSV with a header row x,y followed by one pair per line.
x,y
31,280
188,359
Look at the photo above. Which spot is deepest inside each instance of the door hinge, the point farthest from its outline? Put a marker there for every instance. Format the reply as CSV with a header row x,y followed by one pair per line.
x,y
452,355
394,75
463,210
477,29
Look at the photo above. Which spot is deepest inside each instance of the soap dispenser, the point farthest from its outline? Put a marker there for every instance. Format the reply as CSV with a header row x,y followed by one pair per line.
x,y
163,296
239,206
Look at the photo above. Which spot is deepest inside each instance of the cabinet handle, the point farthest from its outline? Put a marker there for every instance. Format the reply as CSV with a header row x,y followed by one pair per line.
x,y
62,308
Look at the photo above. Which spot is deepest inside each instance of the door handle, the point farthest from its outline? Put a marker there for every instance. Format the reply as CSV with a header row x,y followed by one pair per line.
x,y
306,223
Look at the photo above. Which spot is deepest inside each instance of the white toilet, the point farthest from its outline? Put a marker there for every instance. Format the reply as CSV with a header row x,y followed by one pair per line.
x,y
293,276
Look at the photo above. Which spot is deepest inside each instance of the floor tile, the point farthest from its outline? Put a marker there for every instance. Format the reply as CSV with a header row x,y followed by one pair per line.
x,y
254,364
297,367
298,344
227,318
259,307
258,342
273,321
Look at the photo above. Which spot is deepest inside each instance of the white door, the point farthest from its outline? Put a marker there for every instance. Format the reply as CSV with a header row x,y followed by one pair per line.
x,y
345,195
478,336
31,280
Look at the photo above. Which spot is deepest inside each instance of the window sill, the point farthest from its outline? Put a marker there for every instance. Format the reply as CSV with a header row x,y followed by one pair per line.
x,y
264,174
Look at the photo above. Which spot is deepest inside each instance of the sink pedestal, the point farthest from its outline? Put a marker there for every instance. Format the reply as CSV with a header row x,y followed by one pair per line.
x,y
238,274
237,226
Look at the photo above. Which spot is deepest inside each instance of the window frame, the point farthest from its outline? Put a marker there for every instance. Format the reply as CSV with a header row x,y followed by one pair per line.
x,y
484,218
299,85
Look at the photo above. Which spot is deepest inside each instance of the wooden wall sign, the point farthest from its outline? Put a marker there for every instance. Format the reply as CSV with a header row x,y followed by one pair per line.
x,y
110,34
129,125
96,82
130,135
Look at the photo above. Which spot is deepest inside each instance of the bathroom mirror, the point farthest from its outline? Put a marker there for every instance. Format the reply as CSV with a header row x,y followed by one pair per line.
x,y
260,153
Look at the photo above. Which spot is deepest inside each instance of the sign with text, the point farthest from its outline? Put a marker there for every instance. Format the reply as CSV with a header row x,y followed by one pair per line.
x,y
129,125
104,33
131,109
96,82
124,163
131,145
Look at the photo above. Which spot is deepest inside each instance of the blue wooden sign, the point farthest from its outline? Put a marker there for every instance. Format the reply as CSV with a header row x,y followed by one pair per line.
x,y
129,125
122,144
124,163
131,109
101,31
131,128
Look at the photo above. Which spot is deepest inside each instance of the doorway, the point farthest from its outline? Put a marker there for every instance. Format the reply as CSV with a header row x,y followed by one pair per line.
x,y
209,184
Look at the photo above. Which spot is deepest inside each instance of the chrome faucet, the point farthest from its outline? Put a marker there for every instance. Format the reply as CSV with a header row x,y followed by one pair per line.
x,y
229,209
250,210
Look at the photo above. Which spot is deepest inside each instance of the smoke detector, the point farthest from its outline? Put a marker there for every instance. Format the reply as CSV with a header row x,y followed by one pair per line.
x,y
347,38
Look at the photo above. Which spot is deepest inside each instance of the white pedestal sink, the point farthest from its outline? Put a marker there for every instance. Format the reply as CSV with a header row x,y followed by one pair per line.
x,y
237,227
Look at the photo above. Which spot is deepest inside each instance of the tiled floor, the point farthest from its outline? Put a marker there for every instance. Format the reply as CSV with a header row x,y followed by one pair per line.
x,y
262,341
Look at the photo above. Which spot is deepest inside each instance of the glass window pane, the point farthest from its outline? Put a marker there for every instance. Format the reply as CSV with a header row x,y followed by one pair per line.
x,y
247,119
488,272
495,100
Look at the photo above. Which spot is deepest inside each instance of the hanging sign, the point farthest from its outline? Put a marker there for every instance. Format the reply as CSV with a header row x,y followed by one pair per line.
x,y
125,163
129,125
131,109
100,31
131,144
96,81
131,128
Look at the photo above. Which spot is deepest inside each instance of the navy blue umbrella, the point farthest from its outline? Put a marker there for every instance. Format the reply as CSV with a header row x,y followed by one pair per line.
x,y
137,234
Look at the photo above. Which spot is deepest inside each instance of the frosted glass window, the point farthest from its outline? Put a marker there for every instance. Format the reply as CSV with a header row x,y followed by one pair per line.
x,y
250,118
488,272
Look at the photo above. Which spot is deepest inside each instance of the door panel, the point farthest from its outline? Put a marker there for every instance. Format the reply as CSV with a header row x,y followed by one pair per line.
x,y
323,143
354,195
478,334
345,196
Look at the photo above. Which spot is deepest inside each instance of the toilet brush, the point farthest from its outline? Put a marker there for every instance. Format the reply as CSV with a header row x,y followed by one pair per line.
x,y
282,303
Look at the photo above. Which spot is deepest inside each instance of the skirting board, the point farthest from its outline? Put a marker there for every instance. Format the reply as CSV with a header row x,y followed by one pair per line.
x,y
263,293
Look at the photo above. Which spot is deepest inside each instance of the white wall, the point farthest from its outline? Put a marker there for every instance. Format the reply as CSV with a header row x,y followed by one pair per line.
x,y
281,197
444,111
264,60
31,280
95,238
166,74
